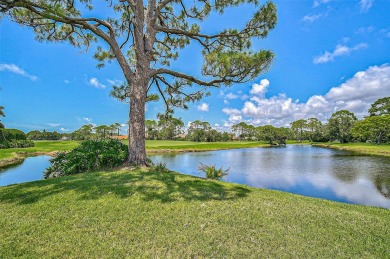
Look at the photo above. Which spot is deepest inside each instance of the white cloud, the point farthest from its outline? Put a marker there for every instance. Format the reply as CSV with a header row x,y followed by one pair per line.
x,y
365,30
365,5
230,111
225,101
86,120
66,81
64,130
317,3
204,107
340,50
260,89
95,82
231,96
16,70
313,17
355,94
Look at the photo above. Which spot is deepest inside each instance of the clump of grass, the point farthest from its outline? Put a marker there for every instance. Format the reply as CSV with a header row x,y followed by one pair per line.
x,y
212,172
160,167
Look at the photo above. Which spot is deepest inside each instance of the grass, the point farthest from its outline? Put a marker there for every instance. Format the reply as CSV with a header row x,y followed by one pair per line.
x,y
16,155
137,213
182,146
361,148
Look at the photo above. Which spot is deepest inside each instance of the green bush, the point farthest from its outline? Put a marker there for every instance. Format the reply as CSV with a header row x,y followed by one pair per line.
x,y
160,167
12,134
212,172
90,155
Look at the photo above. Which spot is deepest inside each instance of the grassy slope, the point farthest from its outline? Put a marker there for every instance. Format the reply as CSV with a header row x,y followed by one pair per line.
x,y
143,214
362,148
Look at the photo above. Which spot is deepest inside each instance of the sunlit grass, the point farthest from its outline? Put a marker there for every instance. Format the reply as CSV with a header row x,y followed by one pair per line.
x,y
147,214
361,148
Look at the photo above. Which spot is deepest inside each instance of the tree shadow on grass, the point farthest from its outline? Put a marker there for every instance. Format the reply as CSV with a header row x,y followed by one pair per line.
x,y
149,186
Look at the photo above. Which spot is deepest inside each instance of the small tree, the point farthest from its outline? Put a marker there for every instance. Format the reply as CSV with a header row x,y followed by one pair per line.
x,y
340,124
375,128
380,107
144,36
298,127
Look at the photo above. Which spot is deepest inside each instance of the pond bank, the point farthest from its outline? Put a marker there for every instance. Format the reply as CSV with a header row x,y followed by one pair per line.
x,y
359,148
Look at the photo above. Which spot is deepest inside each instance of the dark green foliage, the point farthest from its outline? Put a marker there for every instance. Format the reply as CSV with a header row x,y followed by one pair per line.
x,y
13,138
90,155
380,107
44,135
13,134
16,144
211,172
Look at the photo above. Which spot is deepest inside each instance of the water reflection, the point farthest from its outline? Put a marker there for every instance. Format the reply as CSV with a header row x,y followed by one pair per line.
x,y
310,171
31,169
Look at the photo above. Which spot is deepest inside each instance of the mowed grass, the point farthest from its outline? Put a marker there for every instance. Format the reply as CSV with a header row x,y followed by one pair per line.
x,y
172,145
361,148
40,147
140,213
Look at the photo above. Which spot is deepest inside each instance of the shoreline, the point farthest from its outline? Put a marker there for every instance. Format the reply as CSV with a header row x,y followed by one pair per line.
x,y
355,149
19,157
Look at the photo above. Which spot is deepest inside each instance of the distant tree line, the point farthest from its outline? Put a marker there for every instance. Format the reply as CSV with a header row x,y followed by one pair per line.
x,y
85,132
342,126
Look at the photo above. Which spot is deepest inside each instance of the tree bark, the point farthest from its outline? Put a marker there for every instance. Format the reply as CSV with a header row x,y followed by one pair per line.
x,y
137,151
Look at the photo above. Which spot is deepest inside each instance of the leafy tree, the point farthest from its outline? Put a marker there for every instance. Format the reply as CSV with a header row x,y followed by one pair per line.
x,y
1,115
241,129
373,128
198,130
117,127
102,131
268,133
298,128
315,129
151,131
169,126
340,124
83,133
380,107
144,37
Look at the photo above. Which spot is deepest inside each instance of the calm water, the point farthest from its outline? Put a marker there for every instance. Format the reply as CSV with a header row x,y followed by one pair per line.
x,y
31,169
306,170
310,171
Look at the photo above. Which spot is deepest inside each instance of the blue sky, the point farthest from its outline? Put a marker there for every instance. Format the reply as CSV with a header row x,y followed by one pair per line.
x,y
330,55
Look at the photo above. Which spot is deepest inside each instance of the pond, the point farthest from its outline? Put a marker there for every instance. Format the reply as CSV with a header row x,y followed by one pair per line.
x,y
310,171
31,169
302,169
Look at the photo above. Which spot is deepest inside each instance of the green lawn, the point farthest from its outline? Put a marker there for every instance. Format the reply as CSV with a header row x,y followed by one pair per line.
x,y
361,148
166,145
147,214
16,155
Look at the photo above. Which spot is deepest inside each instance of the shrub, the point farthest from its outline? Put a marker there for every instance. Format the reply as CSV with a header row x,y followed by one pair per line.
x,y
212,172
20,144
90,155
160,167
12,134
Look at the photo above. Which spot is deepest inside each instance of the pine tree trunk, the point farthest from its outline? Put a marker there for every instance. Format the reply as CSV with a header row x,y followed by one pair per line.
x,y
137,151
